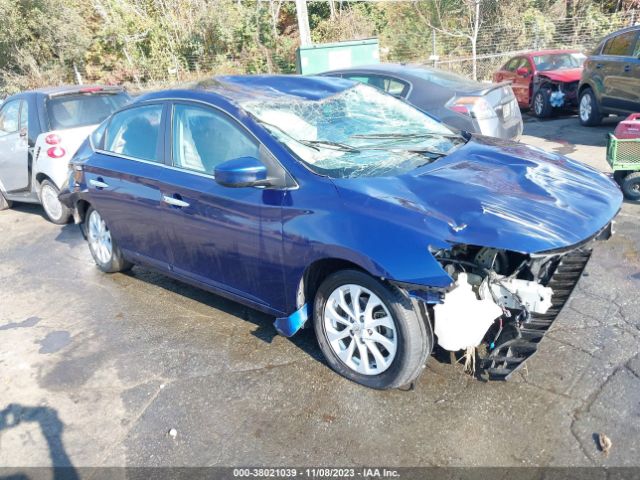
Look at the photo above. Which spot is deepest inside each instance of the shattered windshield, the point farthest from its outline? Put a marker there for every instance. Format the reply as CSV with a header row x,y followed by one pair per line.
x,y
357,132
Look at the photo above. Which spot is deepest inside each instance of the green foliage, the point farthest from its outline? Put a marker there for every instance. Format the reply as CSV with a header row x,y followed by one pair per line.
x,y
159,41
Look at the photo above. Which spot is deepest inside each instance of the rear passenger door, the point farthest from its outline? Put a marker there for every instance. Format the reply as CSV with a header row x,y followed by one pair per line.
x,y
618,71
124,178
228,238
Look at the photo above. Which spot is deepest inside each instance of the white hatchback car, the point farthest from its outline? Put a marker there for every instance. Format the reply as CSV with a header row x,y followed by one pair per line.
x,y
40,130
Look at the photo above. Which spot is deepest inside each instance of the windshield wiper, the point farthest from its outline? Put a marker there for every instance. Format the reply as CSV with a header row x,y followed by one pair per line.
x,y
408,135
342,147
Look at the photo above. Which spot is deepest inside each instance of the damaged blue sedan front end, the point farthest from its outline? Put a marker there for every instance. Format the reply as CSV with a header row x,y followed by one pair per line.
x,y
491,236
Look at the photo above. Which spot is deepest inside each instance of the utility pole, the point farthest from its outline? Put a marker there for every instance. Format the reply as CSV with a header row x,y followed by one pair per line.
x,y
303,23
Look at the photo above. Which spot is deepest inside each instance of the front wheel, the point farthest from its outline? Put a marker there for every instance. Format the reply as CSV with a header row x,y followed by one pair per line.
x,y
104,250
542,104
369,331
56,212
589,110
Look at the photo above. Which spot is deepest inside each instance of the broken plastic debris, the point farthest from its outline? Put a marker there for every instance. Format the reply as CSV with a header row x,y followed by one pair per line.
x,y
173,433
462,319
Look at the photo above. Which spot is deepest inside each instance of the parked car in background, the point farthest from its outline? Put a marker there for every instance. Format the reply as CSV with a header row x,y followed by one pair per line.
x,y
40,130
331,202
459,102
610,82
544,80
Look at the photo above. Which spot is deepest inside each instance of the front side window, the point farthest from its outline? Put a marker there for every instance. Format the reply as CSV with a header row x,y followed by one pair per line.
x,y
135,132
621,45
9,117
204,138
360,131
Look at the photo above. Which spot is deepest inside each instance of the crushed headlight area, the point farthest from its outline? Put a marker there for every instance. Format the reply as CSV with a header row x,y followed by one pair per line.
x,y
501,303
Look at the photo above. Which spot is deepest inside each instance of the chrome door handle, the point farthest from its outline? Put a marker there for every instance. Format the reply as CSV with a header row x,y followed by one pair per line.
x,y
98,184
176,202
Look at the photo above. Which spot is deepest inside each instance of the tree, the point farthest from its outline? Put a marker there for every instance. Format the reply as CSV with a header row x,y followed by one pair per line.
x,y
468,16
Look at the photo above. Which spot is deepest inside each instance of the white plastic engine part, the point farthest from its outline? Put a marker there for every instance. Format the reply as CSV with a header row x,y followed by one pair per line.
x,y
462,319
535,297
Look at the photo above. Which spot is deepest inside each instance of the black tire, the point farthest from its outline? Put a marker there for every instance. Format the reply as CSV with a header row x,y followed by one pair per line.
x,y
414,338
631,186
589,117
114,262
56,212
541,104
619,175
4,203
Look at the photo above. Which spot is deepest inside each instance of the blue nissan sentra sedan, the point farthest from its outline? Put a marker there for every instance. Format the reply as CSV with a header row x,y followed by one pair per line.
x,y
328,203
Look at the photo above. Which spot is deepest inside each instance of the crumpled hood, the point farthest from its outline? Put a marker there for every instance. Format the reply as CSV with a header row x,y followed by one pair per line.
x,y
565,75
493,193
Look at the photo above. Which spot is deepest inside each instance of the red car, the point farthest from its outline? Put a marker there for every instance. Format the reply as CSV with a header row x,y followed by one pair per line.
x,y
544,80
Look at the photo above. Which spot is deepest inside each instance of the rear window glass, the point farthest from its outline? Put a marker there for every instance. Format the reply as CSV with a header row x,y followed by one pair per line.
x,y
443,79
71,111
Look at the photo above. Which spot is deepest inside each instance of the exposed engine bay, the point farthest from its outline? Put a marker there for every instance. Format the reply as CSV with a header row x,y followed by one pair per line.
x,y
501,303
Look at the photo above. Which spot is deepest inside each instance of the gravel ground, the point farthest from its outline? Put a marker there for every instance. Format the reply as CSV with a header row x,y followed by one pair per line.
x,y
97,369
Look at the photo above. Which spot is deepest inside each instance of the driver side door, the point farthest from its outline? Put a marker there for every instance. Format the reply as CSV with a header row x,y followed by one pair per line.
x,y
14,147
227,238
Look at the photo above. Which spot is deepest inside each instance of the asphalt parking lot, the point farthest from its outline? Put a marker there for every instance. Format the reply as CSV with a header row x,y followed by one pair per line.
x,y
97,369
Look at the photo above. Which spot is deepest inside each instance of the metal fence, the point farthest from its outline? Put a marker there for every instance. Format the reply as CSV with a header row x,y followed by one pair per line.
x,y
496,45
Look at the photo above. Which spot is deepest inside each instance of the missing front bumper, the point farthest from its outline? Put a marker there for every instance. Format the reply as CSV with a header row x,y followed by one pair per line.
x,y
507,357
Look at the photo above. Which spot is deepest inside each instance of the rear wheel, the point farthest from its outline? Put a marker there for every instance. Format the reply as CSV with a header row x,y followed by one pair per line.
x,y
104,250
631,186
369,331
56,212
589,110
4,203
541,104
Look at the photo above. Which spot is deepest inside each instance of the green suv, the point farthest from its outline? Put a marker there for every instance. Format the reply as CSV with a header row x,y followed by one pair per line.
x,y
610,82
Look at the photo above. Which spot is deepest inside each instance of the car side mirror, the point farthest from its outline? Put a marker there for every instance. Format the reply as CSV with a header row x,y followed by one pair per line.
x,y
242,172
522,71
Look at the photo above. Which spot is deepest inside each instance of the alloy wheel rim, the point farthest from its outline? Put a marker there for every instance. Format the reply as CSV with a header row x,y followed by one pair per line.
x,y
360,329
538,104
50,202
585,108
99,238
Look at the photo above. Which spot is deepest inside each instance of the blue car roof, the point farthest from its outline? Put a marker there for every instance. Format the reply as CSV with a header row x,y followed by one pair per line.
x,y
241,88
